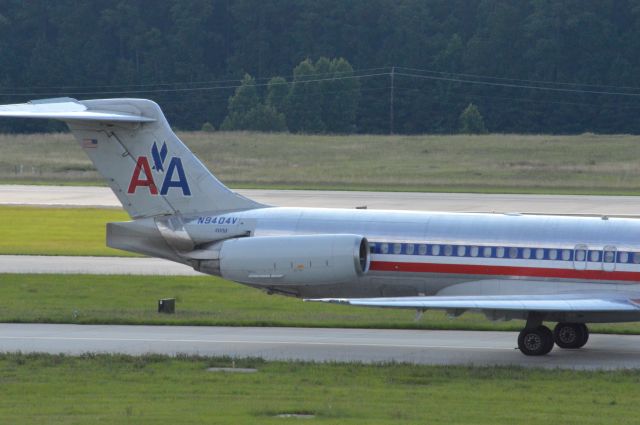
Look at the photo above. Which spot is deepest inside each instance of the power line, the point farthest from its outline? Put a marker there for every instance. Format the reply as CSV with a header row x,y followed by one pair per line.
x,y
466,94
194,89
519,86
189,83
488,77
225,97
212,85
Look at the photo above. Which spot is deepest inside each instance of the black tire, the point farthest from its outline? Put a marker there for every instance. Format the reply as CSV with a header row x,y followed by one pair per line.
x,y
570,335
586,334
535,341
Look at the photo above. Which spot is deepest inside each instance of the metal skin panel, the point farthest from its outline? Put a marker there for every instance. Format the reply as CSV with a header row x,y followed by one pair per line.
x,y
120,148
575,308
293,260
469,229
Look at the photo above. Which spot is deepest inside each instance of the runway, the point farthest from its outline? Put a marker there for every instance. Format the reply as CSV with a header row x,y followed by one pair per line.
x,y
70,196
341,345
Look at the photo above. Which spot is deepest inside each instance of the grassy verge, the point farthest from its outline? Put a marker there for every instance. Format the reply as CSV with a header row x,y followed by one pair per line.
x,y
57,231
585,164
91,299
109,389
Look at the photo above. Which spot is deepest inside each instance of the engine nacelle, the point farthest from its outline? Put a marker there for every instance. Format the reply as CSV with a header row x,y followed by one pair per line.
x,y
291,260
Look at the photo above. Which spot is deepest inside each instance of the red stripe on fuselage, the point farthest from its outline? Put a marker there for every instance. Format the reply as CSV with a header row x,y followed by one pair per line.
x,y
469,269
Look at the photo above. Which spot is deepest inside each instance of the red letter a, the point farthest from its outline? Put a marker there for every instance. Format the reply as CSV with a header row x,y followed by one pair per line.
x,y
142,165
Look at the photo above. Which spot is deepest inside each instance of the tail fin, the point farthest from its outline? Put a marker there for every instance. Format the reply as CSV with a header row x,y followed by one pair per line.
x,y
132,145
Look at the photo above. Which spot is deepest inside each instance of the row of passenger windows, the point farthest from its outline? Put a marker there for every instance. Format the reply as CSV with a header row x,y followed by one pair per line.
x,y
505,252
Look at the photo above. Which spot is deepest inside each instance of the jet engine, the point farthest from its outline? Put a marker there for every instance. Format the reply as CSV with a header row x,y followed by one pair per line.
x,y
289,260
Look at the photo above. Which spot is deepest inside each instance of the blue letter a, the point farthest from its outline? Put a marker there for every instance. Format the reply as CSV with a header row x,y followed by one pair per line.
x,y
175,165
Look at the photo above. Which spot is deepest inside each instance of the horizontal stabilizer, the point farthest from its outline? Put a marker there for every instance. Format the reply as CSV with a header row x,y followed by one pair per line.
x,y
65,109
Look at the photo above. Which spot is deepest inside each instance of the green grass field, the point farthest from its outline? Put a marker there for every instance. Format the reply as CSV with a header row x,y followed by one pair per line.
x,y
203,300
207,300
104,389
57,231
588,163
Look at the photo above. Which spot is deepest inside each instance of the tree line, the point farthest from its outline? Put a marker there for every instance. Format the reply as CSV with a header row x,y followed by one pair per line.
x,y
362,66
322,97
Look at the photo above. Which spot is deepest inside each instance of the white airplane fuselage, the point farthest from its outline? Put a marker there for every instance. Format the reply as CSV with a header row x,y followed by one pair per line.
x,y
422,253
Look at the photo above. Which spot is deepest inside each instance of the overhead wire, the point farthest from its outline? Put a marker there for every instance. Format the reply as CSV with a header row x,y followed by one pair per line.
x,y
193,89
360,74
188,83
519,86
561,83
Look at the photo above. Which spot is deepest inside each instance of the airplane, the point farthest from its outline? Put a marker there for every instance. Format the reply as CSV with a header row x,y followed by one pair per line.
x,y
564,269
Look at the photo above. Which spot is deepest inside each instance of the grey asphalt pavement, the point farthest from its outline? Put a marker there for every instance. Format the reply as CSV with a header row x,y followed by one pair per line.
x,y
343,345
456,202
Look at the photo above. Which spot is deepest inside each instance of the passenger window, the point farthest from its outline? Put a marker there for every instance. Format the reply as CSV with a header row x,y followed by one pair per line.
x,y
461,250
435,250
486,251
384,248
594,256
372,248
397,248
566,254
636,257
624,257
448,250
553,254
609,256
513,252
539,254
500,252
474,251
526,253
422,249
410,249
580,254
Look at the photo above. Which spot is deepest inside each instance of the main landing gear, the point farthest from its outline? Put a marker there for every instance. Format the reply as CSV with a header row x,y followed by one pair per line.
x,y
538,340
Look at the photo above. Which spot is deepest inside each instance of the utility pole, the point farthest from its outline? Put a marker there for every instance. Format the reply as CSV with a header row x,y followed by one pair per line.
x,y
393,70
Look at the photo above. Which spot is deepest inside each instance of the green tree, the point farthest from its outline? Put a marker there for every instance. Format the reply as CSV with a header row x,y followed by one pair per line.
x,y
340,97
265,118
245,97
207,127
471,122
277,91
246,112
244,100
179,52
304,104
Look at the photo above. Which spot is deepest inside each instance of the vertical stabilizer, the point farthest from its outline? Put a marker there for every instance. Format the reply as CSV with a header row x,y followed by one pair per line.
x,y
132,145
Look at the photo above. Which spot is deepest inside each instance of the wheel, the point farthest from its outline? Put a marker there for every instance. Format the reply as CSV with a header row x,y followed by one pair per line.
x,y
586,334
571,335
535,341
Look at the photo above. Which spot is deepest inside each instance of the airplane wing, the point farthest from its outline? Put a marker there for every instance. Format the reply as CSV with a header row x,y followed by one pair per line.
x,y
583,302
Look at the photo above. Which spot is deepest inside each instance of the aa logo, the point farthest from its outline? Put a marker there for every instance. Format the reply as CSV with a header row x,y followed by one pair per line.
x,y
173,176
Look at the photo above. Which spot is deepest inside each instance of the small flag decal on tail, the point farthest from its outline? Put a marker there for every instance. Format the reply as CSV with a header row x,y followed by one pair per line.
x,y
89,143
